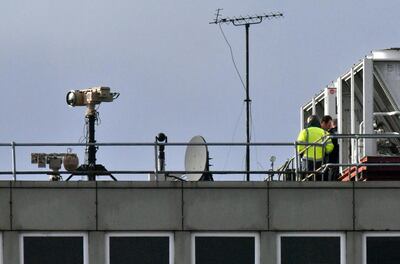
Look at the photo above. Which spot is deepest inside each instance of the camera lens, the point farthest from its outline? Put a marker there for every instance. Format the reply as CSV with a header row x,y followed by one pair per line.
x,y
71,98
161,137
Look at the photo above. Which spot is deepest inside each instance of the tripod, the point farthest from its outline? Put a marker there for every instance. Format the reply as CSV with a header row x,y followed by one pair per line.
x,y
90,168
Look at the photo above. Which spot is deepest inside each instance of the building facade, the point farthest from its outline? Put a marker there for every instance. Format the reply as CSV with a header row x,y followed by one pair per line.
x,y
199,222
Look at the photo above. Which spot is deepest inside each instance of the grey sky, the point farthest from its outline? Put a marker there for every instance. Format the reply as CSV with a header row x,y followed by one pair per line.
x,y
173,69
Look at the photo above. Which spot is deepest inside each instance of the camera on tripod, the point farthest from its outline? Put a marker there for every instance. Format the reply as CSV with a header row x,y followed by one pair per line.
x,y
91,96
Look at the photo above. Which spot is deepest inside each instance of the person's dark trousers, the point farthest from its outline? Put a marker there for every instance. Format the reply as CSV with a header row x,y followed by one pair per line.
x,y
333,157
333,173
309,166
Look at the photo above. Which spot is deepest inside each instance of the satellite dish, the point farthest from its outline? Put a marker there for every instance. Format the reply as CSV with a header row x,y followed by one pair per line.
x,y
196,159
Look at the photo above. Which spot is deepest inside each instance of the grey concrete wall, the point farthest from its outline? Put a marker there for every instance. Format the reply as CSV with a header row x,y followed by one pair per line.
x,y
225,206
377,206
182,245
266,208
61,206
5,205
11,248
139,206
199,206
268,248
315,206
354,247
97,247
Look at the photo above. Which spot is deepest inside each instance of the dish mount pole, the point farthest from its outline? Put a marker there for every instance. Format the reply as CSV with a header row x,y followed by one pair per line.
x,y
246,22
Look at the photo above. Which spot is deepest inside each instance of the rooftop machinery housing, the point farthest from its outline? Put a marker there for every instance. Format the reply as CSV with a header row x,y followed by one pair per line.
x,y
365,100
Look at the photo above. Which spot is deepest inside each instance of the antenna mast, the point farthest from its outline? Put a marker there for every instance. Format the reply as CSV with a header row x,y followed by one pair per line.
x,y
246,21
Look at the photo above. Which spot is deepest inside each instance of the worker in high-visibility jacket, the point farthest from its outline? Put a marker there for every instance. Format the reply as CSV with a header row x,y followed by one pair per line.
x,y
313,155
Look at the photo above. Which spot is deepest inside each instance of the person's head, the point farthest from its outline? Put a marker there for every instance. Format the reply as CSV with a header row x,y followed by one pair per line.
x,y
326,122
313,121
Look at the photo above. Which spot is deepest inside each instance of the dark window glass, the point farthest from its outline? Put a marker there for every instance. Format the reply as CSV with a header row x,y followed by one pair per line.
x,y
141,250
225,250
310,250
51,250
383,250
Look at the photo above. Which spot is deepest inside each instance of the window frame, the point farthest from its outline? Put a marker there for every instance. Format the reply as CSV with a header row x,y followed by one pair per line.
x,y
256,236
84,235
374,234
170,236
340,235
1,248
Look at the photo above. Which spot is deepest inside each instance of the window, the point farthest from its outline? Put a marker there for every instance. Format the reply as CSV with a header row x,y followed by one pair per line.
x,y
306,248
50,248
225,248
144,248
382,248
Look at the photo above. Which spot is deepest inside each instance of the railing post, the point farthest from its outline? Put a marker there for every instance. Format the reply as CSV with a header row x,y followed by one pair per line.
x,y
325,160
14,162
296,157
357,158
315,163
156,159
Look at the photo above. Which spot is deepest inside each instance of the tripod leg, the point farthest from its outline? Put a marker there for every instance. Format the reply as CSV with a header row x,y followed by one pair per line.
x,y
69,177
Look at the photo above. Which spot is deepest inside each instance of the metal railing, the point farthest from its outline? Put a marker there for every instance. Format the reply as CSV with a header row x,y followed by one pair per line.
x,y
14,146
355,139
291,170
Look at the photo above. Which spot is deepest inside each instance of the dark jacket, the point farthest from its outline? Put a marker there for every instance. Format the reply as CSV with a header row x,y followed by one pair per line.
x,y
333,157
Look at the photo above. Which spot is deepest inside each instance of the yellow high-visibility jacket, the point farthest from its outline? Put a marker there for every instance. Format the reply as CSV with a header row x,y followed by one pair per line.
x,y
314,135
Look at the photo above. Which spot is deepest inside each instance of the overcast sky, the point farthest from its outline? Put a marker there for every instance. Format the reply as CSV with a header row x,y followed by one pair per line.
x,y
174,71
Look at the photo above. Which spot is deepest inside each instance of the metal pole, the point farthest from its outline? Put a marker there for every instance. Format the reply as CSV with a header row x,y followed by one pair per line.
x,y
91,149
156,159
247,26
296,157
246,21
357,159
14,162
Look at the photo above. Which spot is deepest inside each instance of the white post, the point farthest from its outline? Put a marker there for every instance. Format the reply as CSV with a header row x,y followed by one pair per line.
x,y
314,109
368,106
352,103
353,144
330,102
340,116
301,118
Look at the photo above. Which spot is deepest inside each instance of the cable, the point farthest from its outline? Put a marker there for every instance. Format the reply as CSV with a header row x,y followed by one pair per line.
x,y
253,131
244,87
84,130
232,56
233,136
98,119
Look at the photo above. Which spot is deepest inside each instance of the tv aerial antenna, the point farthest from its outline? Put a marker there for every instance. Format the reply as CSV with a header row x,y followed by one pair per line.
x,y
245,21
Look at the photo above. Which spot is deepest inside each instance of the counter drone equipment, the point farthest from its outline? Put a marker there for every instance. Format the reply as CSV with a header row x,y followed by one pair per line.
x,y
55,160
161,139
90,98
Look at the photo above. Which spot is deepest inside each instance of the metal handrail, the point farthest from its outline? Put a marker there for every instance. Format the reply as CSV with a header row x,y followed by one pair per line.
x,y
14,172
127,144
357,137
291,167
